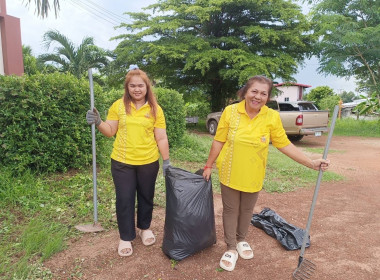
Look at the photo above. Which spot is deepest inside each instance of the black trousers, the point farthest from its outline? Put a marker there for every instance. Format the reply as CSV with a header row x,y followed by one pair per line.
x,y
129,180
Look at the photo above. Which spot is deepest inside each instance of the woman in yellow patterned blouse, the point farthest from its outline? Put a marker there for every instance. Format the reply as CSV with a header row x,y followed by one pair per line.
x,y
139,124
240,148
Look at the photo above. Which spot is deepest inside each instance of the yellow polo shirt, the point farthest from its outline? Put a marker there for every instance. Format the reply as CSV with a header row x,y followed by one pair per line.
x,y
135,143
243,158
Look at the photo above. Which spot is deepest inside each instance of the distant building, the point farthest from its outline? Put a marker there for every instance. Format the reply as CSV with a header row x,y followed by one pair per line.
x,y
348,109
11,61
290,91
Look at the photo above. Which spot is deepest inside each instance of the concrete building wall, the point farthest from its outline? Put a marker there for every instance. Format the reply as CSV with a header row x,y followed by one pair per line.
x,y
1,57
11,45
289,93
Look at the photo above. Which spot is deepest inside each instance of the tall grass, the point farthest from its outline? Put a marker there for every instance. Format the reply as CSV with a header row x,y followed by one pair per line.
x,y
193,148
284,174
39,213
353,127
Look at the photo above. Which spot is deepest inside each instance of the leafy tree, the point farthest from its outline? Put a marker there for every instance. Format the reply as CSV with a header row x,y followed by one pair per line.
x,y
75,60
349,33
319,93
370,106
348,96
215,46
30,62
197,104
43,7
329,102
32,65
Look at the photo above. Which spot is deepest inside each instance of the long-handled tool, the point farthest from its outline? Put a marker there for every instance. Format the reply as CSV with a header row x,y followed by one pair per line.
x,y
306,268
94,227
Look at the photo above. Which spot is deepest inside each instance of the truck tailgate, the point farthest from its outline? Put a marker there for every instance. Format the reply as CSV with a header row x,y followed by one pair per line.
x,y
288,120
315,119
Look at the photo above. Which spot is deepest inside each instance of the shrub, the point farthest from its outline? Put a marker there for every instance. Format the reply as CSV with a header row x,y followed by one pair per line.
x,y
199,109
111,96
197,104
43,122
318,93
328,103
172,104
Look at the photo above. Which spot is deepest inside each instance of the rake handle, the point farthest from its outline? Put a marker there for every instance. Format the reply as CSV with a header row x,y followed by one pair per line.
x,y
316,190
94,179
300,258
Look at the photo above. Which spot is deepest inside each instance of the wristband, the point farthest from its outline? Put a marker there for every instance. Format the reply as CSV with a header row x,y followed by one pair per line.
x,y
206,167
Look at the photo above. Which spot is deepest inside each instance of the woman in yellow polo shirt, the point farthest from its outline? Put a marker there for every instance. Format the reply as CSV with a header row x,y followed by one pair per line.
x,y
139,124
240,148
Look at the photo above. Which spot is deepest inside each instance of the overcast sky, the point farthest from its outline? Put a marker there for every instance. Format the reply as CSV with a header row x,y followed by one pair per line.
x,y
97,18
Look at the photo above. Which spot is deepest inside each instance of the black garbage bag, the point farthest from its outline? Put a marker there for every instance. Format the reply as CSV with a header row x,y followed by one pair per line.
x,y
189,218
274,225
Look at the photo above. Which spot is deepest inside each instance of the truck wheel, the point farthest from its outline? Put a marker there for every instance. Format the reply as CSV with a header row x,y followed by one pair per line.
x,y
295,138
212,127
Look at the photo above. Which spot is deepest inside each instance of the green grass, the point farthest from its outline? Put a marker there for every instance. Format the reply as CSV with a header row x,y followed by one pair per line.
x,y
42,238
321,150
199,127
353,127
39,211
284,174
39,214
193,148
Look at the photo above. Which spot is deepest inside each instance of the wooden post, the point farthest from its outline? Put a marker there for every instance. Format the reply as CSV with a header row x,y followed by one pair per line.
x,y
340,108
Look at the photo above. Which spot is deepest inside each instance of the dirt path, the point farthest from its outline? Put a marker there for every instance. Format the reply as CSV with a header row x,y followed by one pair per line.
x,y
345,233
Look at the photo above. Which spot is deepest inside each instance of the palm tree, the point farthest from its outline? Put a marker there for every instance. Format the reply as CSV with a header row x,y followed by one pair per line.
x,y
74,60
43,7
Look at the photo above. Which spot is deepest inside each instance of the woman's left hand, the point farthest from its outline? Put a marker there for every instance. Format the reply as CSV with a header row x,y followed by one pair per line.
x,y
165,166
207,173
320,164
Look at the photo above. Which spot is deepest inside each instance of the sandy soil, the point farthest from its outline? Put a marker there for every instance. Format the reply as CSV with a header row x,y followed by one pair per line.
x,y
345,233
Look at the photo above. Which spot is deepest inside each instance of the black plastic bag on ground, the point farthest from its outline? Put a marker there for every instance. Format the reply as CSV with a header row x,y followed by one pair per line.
x,y
274,225
189,218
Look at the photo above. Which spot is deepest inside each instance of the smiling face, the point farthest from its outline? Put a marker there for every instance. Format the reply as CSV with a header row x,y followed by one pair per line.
x,y
256,96
137,89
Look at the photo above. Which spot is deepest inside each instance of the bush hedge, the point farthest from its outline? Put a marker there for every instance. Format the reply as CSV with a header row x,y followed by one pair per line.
x,y
172,104
42,120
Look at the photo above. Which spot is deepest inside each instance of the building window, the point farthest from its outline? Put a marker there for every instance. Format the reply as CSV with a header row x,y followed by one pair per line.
x,y
286,99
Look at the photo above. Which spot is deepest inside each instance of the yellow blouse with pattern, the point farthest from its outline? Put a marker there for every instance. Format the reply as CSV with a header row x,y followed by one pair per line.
x,y
243,158
135,143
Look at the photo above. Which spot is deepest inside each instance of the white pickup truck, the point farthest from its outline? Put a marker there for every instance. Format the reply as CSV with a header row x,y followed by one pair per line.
x,y
299,118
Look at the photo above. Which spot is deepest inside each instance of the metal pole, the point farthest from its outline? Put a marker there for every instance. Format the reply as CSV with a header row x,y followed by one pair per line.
x,y
95,226
319,179
94,179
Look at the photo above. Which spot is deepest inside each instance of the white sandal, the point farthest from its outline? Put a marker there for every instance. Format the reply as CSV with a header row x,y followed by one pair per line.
x,y
145,235
228,257
125,245
242,248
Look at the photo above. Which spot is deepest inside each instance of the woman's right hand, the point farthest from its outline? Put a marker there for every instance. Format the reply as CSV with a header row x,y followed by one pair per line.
x,y
207,173
93,117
